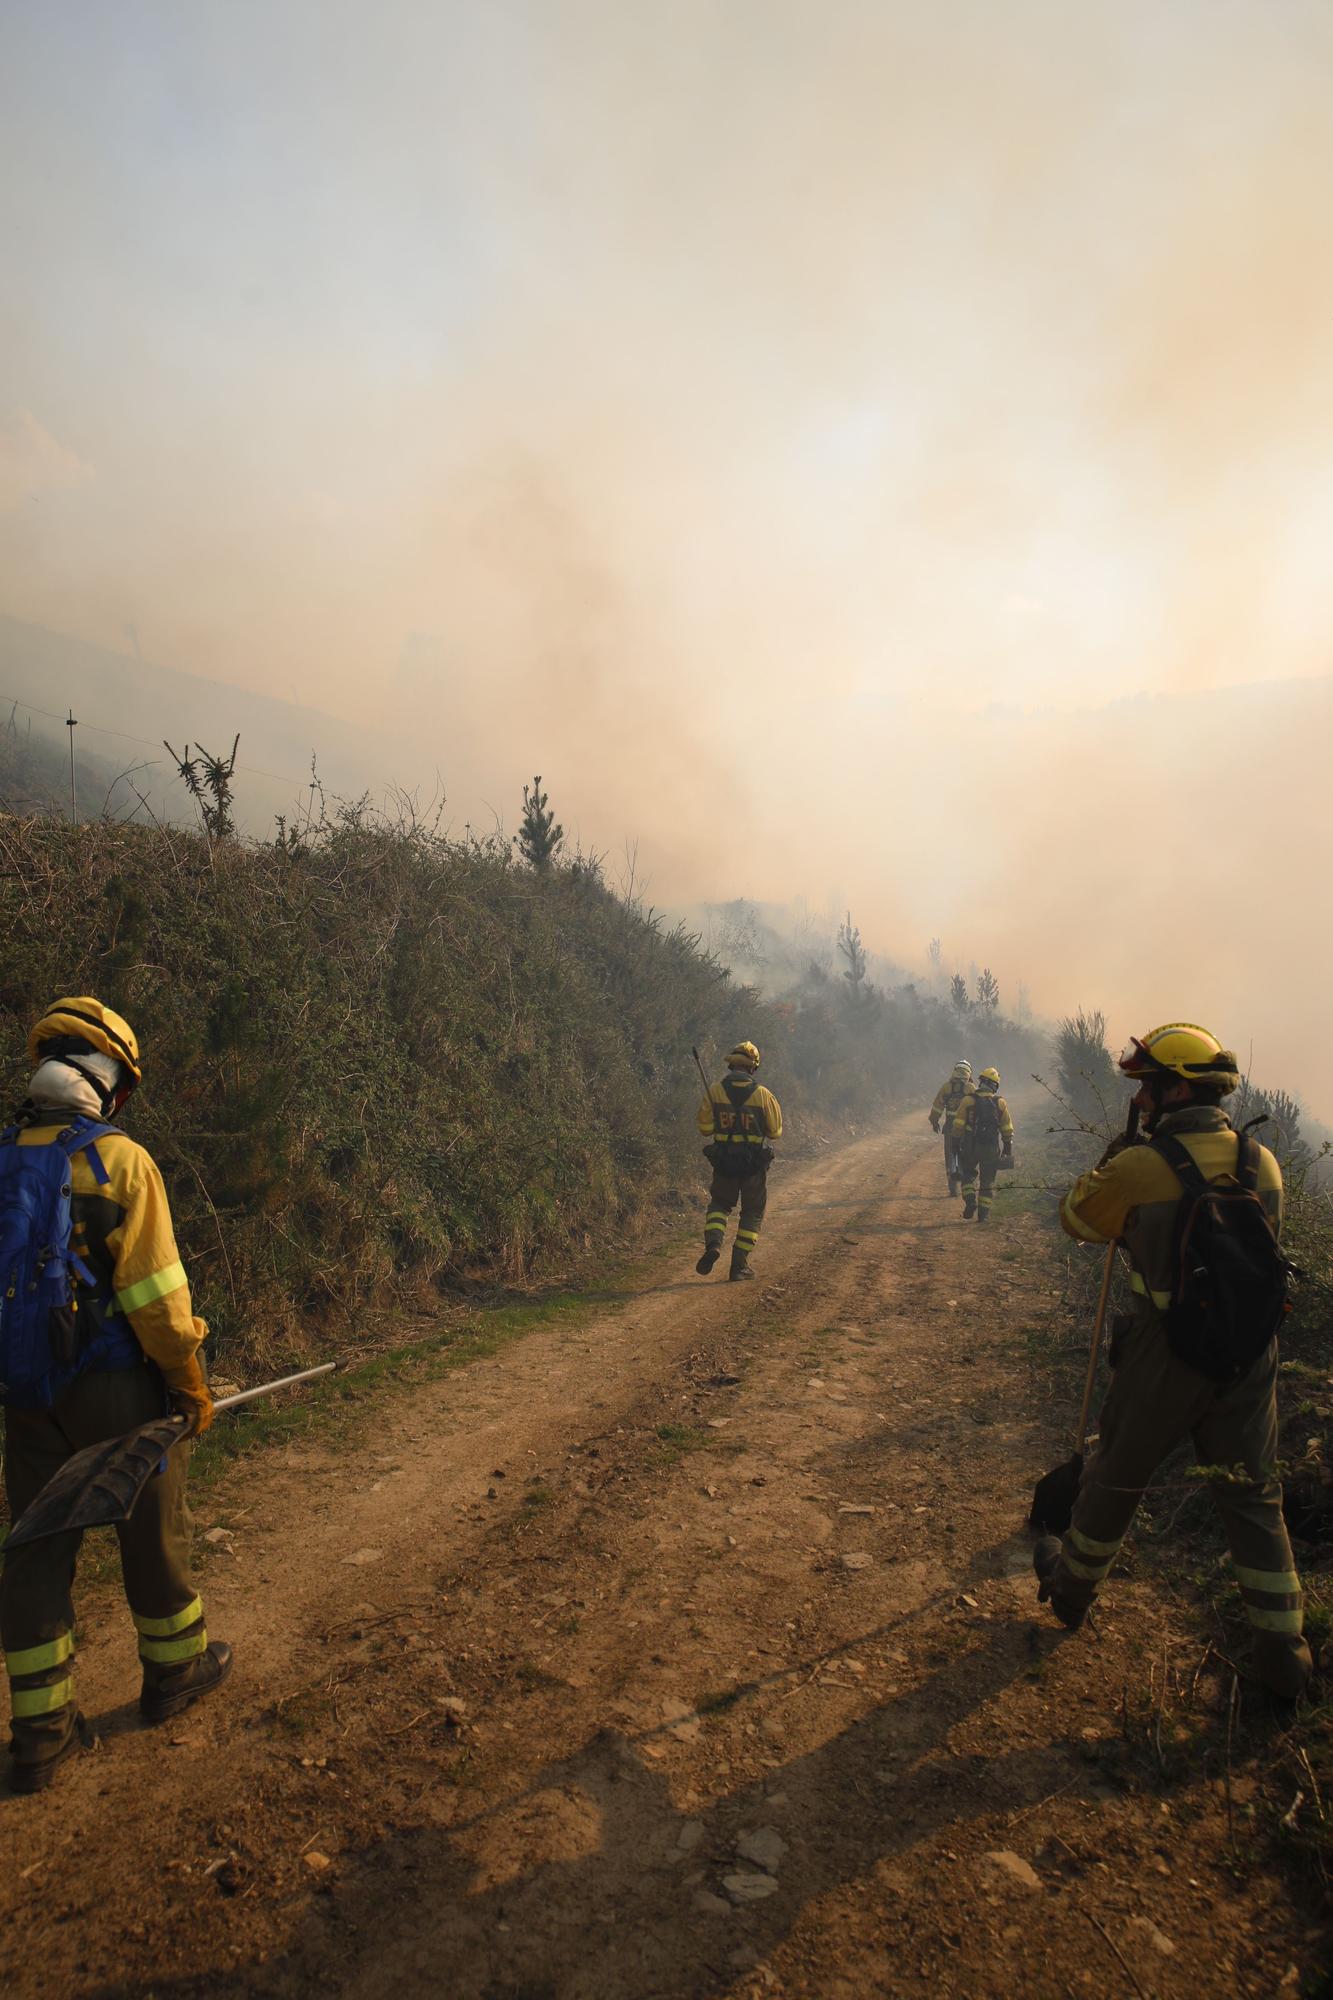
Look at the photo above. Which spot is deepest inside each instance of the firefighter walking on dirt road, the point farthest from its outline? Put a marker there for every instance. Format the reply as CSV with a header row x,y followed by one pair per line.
x,y
984,1135
1196,1210
97,1336
739,1118
945,1108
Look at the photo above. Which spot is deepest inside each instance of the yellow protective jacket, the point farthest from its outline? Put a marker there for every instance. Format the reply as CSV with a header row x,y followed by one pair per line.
x,y
1135,1195
123,1232
754,1123
965,1118
948,1098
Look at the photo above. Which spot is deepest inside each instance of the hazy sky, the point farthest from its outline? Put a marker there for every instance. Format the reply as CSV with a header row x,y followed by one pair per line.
x,y
801,431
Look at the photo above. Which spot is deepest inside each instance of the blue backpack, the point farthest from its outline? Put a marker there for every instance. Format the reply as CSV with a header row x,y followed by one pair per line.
x,y
43,1342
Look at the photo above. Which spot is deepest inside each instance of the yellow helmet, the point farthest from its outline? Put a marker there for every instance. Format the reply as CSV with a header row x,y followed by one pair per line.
x,y
1185,1050
744,1056
81,1018
989,1080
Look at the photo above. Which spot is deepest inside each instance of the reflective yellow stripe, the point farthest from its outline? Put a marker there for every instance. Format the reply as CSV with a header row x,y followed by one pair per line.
x,y
1090,1572
40,1701
747,1235
152,1288
1075,1224
162,1628
1086,1546
1281,1582
34,1659
1137,1284
1274,1621
169,1652
715,1215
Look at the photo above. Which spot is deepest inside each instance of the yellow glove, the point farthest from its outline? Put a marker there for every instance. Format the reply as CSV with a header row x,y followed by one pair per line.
x,y
188,1394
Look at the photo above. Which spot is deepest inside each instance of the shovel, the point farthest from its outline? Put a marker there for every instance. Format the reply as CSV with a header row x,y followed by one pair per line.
x,y
1054,1495
99,1486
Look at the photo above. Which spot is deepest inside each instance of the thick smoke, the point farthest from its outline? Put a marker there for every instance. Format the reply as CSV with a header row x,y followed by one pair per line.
x,y
872,454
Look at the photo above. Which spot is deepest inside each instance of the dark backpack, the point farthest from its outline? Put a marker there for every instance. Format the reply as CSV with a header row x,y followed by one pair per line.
x,y
986,1118
1230,1279
45,1335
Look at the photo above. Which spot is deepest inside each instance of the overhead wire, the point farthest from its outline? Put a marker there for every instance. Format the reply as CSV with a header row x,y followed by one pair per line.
x,y
121,736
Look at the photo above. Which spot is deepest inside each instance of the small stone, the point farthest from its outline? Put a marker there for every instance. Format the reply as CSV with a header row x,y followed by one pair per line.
x,y
454,1707
764,1846
1014,1865
361,1558
690,1835
718,1423
315,1861
970,1602
749,1888
857,1559
216,1536
846,1507
1157,1939
709,1905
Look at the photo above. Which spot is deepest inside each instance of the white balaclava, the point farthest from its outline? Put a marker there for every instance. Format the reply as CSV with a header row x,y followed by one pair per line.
x,y
57,1083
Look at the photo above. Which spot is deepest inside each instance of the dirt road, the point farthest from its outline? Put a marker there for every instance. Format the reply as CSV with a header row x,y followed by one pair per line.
x,y
685,1649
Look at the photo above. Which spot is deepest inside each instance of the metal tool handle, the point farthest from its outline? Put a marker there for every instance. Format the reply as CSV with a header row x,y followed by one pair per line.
x,y
267,1388
1103,1298
703,1073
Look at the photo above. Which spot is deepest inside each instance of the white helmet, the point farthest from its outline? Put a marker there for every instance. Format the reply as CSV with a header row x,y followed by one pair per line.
x,y
962,1067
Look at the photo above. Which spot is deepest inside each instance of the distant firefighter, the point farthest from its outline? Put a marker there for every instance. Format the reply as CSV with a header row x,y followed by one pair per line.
x,y
739,1118
947,1100
984,1133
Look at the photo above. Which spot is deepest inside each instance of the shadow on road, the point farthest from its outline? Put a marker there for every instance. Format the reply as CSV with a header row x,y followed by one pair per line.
x,y
414,1913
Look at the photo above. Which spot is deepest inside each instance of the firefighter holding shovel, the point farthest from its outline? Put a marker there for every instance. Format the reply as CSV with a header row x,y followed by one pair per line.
x,y
97,1336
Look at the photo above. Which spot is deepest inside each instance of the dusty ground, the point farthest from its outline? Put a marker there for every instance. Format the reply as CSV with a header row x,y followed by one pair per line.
x,y
690,1650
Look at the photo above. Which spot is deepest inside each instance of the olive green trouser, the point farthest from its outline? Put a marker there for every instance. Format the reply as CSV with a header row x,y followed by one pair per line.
x,y
973,1164
1154,1403
36,1614
723,1191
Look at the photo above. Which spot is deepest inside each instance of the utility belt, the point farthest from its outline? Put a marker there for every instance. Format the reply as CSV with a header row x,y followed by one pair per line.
x,y
738,1159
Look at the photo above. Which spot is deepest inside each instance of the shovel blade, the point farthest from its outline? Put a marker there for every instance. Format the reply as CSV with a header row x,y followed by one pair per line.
x,y
1054,1495
97,1487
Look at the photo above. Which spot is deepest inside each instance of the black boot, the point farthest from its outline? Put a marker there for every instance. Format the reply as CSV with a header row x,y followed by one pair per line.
x,y
740,1266
167,1695
34,1763
983,1212
969,1207
1045,1561
712,1251
953,1187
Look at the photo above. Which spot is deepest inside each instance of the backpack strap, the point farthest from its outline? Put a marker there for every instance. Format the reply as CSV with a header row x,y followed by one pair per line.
x,y
1247,1162
82,1137
1180,1160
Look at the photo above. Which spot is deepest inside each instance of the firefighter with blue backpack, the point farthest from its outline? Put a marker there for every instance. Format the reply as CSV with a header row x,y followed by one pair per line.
x,y
1196,1208
739,1117
984,1137
97,1335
